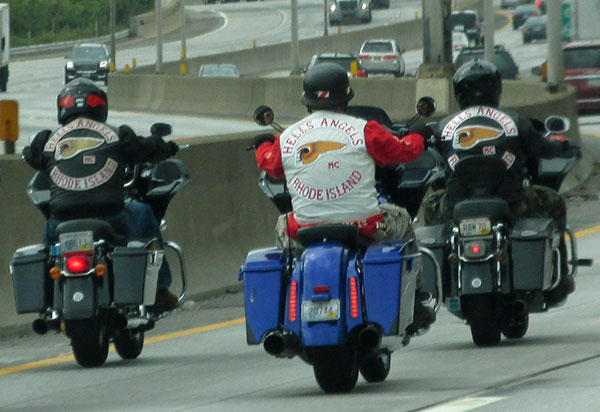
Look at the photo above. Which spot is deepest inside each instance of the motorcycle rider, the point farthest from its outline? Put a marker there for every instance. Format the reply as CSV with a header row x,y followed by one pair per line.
x,y
85,160
481,128
328,160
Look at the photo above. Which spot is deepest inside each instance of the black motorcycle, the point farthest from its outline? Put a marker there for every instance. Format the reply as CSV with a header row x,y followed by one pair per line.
x,y
94,285
498,269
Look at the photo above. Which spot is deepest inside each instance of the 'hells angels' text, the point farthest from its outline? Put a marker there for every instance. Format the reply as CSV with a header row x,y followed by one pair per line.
x,y
299,131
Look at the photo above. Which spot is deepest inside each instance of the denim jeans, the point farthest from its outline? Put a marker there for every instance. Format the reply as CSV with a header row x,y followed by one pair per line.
x,y
135,221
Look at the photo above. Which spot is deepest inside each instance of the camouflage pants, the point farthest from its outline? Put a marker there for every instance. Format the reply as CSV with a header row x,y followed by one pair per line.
x,y
397,224
538,201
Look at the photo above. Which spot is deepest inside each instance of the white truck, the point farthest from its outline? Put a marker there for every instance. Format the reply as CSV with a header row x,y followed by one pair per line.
x,y
587,16
4,45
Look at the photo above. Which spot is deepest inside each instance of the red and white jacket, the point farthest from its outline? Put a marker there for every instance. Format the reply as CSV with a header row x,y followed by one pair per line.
x,y
328,160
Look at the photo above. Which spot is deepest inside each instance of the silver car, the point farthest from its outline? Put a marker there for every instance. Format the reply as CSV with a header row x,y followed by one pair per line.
x,y
341,10
382,56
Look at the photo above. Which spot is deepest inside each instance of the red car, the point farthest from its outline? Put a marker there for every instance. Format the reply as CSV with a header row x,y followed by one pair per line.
x,y
582,71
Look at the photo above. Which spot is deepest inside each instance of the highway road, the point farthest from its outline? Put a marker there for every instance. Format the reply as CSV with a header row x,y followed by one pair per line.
x,y
198,360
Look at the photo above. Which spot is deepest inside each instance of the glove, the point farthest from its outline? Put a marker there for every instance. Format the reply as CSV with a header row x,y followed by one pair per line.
x,y
558,138
173,148
33,153
425,131
262,138
126,133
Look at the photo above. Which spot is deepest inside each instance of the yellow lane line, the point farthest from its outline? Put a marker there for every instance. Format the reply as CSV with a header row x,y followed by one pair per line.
x,y
186,332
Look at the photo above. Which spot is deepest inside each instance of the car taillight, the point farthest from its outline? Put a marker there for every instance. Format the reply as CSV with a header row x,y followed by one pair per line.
x,y
389,57
353,298
364,57
293,302
78,264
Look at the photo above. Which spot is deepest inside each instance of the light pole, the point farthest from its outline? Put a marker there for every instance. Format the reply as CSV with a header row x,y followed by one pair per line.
x,y
294,49
159,43
325,26
112,23
183,45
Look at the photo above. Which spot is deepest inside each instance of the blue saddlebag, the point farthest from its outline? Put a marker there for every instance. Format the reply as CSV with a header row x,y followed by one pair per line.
x,y
262,274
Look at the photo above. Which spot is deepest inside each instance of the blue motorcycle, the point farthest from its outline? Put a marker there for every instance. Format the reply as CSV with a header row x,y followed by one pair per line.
x,y
343,305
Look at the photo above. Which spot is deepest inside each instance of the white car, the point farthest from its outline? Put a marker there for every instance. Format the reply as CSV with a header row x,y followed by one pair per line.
x,y
382,56
459,40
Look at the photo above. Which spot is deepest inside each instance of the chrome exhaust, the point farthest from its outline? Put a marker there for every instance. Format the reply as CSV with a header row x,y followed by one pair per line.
x,y
282,345
369,338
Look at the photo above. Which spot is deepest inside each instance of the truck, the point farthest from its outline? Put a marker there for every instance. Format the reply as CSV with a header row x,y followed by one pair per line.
x,y
4,45
586,16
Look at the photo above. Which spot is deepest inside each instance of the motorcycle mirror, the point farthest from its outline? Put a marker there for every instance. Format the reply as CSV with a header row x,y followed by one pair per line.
x,y
557,124
426,106
263,115
160,129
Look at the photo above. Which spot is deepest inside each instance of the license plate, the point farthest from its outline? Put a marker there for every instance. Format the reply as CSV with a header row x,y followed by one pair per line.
x,y
594,82
321,311
475,227
76,242
377,59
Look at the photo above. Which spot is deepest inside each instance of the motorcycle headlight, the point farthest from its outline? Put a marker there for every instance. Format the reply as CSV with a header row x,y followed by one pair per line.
x,y
103,64
70,64
364,6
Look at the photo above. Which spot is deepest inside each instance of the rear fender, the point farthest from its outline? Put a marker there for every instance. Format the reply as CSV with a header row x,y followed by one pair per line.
x,y
323,264
79,300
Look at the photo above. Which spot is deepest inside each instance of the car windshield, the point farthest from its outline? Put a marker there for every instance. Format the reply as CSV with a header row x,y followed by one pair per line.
x,y
378,47
340,61
534,20
88,53
501,60
527,10
582,58
218,71
464,19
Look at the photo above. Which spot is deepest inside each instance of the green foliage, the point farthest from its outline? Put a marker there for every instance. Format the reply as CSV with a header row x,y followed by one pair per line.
x,y
44,21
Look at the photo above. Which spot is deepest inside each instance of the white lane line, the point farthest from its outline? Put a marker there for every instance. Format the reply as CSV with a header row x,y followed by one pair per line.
x,y
463,405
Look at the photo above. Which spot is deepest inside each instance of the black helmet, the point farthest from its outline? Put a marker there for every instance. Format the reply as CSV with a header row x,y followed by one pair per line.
x,y
477,82
81,98
325,86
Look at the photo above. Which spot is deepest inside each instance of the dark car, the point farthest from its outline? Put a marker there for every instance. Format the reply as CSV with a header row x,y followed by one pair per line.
x,y
470,23
582,71
534,28
502,59
523,12
348,62
91,61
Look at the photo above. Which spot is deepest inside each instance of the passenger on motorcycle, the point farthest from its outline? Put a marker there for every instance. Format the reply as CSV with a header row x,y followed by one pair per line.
x,y
482,128
85,160
328,160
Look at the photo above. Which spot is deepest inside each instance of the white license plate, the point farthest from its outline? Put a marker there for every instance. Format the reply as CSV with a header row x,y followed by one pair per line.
x,y
475,227
321,311
594,82
76,242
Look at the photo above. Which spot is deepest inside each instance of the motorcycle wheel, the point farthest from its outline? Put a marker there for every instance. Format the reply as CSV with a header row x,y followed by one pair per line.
x,y
483,317
335,367
375,368
129,344
516,327
89,339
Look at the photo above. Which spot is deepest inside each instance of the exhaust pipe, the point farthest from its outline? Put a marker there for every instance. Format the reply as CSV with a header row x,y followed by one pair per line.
x,y
282,345
120,321
519,306
369,338
39,326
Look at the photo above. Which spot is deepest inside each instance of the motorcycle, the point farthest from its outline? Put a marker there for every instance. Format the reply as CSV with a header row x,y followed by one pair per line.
x,y
93,284
498,269
343,305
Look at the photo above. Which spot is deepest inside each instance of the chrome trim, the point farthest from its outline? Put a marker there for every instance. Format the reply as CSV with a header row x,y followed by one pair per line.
x,y
174,246
438,278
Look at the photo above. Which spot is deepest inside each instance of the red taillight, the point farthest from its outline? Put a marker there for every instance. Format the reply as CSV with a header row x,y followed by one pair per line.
x,y
66,102
361,73
321,289
476,249
293,302
78,264
389,57
538,3
93,101
353,298
364,57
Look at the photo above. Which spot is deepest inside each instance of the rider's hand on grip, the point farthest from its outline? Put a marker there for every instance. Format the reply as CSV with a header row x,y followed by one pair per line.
x,y
262,138
173,148
34,152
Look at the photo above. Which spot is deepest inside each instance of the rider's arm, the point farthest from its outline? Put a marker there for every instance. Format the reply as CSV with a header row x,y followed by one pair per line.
x,y
535,144
387,148
137,149
34,153
268,158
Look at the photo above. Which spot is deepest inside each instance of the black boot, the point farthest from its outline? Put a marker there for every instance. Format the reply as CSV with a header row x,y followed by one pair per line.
x,y
423,315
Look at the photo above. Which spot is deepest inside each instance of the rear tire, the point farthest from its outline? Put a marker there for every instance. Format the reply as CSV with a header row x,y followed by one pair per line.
x,y
483,317
375,368
129,344
335,367
89,339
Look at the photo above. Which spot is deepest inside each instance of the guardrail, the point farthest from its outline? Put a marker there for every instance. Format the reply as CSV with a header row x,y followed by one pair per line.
x,y
61,46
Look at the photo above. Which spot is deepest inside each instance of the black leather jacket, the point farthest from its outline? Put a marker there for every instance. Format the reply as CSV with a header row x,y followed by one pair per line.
x,y
484,132
86,161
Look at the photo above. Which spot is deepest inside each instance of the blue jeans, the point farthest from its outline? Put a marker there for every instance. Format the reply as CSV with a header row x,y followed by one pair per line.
x,y
135,221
